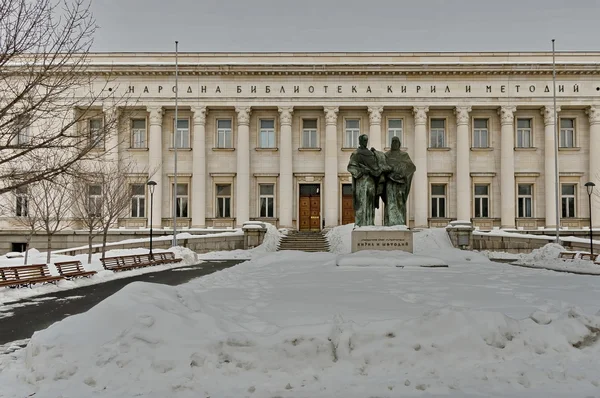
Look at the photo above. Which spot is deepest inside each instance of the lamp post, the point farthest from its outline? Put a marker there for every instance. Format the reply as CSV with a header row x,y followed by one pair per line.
x,y
151,185
590,188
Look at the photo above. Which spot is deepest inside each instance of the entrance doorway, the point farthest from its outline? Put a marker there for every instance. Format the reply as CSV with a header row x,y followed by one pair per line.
x,y
310,207
347,204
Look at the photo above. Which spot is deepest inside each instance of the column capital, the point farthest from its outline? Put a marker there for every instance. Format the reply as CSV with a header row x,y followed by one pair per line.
x,y
462,114
420,113
285,115
331,114
243,115
375,114
593,113
200,113
507,114
156,114
548,113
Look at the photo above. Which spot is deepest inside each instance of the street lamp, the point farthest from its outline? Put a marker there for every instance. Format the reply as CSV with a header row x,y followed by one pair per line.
x,y
590,188
151,185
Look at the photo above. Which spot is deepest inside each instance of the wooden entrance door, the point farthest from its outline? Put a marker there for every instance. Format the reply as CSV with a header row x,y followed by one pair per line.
x,y
310,207
347,204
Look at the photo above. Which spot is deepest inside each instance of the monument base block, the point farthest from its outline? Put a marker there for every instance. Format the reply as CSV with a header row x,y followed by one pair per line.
x,y
382,238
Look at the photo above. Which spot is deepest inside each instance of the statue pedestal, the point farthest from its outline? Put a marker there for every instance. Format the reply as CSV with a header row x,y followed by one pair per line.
x,y
382,238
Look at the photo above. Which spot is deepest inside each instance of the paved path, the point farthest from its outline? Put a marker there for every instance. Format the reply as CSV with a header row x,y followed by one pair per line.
x,y
39,312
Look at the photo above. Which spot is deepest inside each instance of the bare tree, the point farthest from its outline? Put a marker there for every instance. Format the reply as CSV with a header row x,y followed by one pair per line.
x,y
102,198
46,95
16,204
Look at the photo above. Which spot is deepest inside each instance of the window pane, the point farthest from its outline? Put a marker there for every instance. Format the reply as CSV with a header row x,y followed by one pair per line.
x,y
266,189
395,123
309,123
224,190
224,123
139,123
95,189
183,123
524,189
352,123
437,123
267,124
481,189
568,189
567,123
442,207
137,189
182,189
347,189
438,189
481,123
95,124
524,123
484,206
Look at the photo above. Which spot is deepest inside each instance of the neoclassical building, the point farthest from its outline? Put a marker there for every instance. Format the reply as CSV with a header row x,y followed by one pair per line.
x,y
267,136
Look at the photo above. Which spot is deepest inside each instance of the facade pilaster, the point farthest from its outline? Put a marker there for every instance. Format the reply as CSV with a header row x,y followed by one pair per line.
x,y
242,194
420,180
111,124
199,168
155,162
549,164
507,166
593,113
286,179
375,141
331,167
463,175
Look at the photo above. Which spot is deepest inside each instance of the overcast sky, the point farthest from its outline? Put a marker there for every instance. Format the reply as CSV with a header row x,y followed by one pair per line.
x,y
346,25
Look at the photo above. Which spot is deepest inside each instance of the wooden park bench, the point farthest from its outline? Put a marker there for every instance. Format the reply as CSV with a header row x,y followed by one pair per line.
x,y
72,269
588,256
124,263
165,258
567,255
27,275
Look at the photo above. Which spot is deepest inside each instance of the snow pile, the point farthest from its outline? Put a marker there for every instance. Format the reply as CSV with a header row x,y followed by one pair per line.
x,y
269,245
158,340
547,257
395,258
544,254
340,239
270,241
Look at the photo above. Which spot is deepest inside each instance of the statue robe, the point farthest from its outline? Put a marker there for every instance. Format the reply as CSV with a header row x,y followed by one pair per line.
x,y
397,186
366,172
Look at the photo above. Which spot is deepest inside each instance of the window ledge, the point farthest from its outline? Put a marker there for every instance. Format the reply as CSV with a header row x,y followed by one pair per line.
x,y
180,149
570,149
525,148
137,149
309,149
349,149
223,149
221,219
481,149
436,149
266,149
402,148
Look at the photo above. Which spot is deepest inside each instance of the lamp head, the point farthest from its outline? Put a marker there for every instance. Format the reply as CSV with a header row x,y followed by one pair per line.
x,y
151,185
590,187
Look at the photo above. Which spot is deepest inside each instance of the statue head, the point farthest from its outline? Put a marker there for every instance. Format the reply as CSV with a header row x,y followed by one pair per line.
x,y
395,144
363,140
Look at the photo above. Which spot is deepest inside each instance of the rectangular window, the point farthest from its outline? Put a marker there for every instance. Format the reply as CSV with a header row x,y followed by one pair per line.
x,y
182,135
394,130
568,200
482,200
525,200
309,133
138,200
181,197
22,202
223,201
267,200
96,136
438,201
524,134
24,136
224,133
352,132
567,133
481,133
95,200
138,133
266,135
437,133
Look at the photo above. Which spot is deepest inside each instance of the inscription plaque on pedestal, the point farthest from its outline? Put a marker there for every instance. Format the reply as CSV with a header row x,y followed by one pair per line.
x,y
382,238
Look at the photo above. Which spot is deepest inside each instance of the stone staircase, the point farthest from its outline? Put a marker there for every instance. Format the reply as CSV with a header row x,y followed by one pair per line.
x,y
304,241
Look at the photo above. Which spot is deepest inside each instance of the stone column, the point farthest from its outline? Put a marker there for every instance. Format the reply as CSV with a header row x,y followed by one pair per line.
x,y
242,192
375,141
420,181
549,164
463,169
507,166
330,187
286,179
199,168
155,162
594,118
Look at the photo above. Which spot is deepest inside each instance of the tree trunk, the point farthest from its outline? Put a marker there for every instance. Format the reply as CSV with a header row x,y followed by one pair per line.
x,y
49,249
90,238
104,236
27,242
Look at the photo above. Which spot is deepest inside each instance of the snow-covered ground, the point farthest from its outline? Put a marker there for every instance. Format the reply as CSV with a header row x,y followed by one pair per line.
x,y
293,324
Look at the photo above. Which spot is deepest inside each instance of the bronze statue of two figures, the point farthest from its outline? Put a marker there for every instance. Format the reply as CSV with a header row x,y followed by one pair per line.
x,y
375,175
